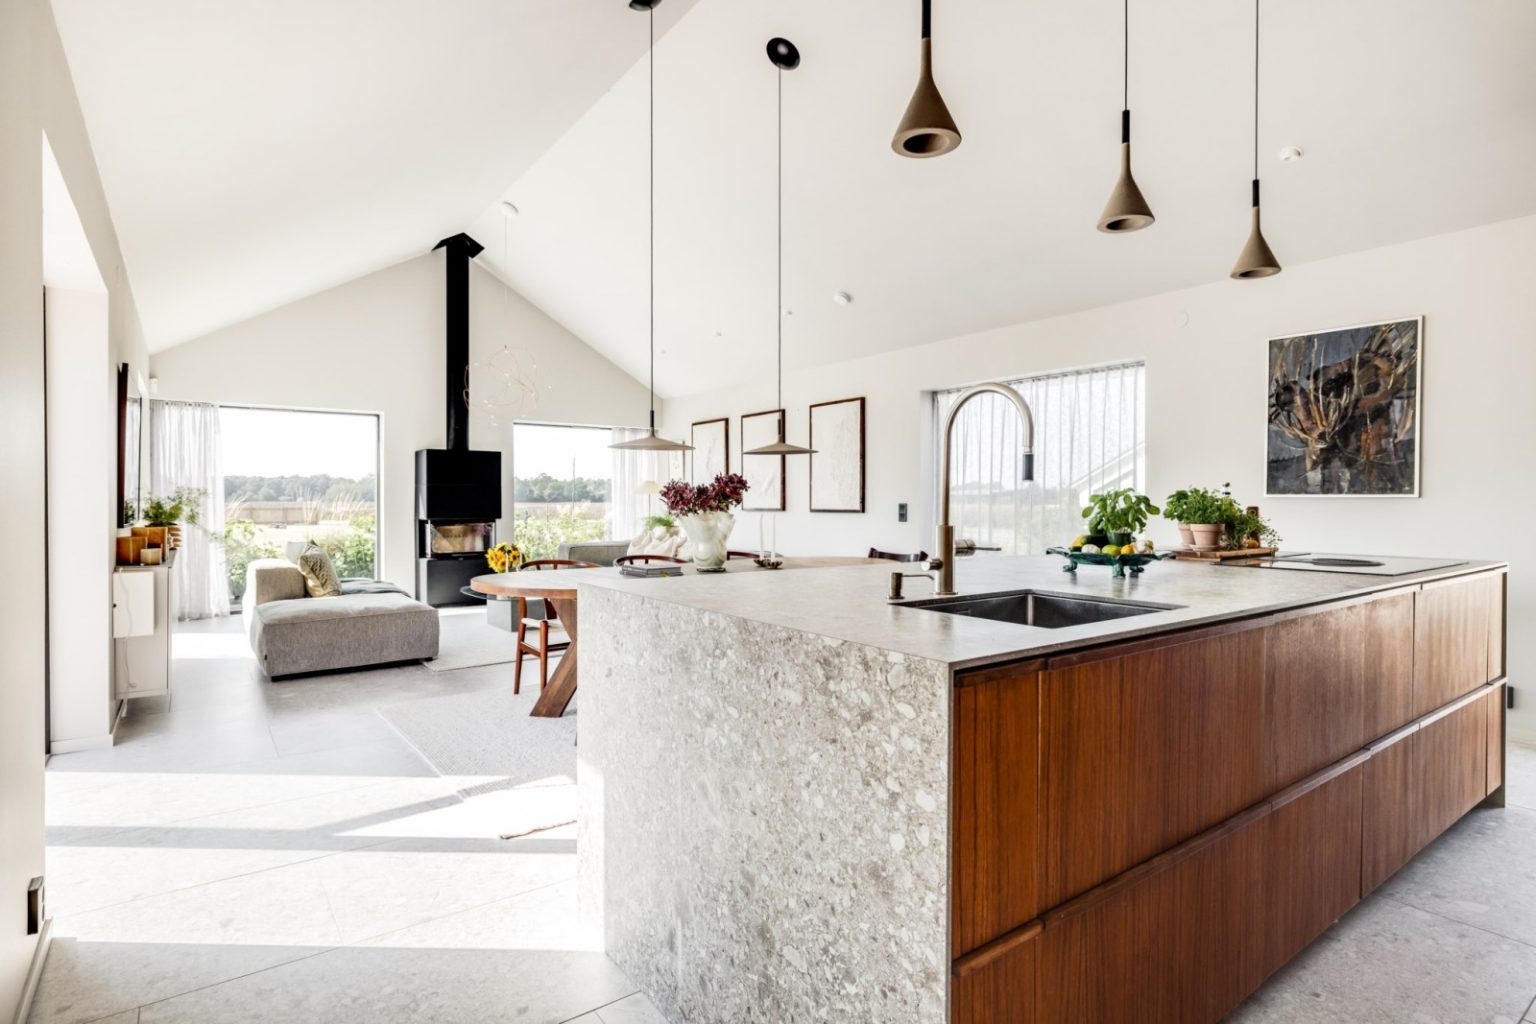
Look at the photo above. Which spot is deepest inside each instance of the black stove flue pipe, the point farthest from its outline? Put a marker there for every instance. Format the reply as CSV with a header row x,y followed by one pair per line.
x,y
457,251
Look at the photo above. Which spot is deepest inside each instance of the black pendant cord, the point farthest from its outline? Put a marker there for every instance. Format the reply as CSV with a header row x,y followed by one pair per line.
x,y
780,311
1125,103
927,19
1255,102
651,68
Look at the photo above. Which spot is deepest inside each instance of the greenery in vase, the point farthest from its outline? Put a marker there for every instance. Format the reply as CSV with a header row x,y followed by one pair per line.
x,y
1119,511
725,492
183,505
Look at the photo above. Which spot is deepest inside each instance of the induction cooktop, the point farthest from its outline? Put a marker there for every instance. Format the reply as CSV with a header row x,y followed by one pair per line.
x,y
1364,565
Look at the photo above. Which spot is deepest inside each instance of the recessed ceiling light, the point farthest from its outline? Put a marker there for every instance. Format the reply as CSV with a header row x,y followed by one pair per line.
x,y
1291,154
509,209
842,298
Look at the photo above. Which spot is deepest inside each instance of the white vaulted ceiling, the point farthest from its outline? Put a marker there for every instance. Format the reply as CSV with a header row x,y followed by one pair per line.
x,y
256,152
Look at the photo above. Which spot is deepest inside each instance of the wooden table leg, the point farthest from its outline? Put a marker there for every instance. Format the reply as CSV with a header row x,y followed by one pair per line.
x,y
562,685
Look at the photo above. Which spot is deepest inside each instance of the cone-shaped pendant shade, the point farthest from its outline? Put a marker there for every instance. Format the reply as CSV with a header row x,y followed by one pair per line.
x,y
780,448
1257,259
926,129
652,442
1127,209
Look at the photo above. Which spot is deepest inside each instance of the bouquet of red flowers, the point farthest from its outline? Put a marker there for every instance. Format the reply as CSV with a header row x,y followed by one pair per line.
x,y
721,494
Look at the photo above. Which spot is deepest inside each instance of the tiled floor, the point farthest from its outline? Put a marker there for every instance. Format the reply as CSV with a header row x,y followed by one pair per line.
x,y
259,852
252,851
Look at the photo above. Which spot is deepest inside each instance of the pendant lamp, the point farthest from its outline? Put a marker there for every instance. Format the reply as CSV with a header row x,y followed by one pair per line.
x,y
1127,209
1256,259
785,57
652,441
926,129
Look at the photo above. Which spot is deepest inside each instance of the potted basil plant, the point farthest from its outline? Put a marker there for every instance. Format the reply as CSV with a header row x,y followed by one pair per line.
x,y
1119,515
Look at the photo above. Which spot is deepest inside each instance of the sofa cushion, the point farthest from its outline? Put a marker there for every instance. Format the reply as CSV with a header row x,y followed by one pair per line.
x,y
348,631
319,574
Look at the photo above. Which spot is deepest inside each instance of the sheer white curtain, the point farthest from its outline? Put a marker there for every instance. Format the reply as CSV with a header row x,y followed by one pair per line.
x,y
627,505
185,453
1089,436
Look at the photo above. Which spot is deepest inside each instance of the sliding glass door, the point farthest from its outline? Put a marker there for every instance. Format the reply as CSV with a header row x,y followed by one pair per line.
x,y
293,476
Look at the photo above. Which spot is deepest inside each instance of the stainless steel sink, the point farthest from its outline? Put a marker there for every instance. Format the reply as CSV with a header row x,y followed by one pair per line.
x,y
1033,608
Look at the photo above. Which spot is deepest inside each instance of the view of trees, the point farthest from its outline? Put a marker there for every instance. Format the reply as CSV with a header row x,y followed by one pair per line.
x,y
299,488
545,488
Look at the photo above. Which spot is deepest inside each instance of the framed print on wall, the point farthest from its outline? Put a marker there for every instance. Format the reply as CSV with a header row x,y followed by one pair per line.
x,y
1344,410
764,473
837,467
711,440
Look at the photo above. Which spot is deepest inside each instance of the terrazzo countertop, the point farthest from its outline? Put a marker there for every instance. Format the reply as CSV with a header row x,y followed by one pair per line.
x,y
849,603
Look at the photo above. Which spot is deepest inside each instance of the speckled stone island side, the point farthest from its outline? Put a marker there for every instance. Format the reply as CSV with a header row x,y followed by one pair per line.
x,y
765,819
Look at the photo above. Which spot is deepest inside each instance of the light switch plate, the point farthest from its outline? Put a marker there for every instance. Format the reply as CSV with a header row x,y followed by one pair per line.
x,y
901,512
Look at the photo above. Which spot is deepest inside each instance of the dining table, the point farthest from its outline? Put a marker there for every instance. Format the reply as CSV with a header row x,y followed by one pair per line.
x,y
559,588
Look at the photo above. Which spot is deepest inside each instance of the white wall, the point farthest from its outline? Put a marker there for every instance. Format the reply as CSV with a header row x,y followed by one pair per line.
x,y
82,495
1206,398
36,96
376,345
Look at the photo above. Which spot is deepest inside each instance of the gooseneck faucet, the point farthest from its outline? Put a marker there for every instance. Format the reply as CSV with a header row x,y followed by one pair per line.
x,y
944,560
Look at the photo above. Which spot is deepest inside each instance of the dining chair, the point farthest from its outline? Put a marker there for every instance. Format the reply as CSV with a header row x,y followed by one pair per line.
x,y
891,556
537,614
646,559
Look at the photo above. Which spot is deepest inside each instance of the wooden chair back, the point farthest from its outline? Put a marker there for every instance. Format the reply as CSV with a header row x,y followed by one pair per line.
x,y
891,556
641,559
540,564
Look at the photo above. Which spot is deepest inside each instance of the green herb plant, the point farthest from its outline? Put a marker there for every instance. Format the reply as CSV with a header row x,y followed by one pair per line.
x,y
183,505
659,522
1119,511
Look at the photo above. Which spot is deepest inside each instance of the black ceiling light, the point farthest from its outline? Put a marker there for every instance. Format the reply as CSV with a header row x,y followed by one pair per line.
x,y
926,129
1256,259
785,57
652,441
1127,209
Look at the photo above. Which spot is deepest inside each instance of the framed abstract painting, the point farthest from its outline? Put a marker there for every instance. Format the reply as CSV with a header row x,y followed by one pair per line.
x,y
764,473
711,442
1344,410
837,468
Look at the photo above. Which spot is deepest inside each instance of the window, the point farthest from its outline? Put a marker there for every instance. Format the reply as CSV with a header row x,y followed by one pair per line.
x,y
293,476
1089,436
562,479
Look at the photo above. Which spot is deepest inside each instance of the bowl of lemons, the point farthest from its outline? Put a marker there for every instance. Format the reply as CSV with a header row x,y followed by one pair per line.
x,y
1130,558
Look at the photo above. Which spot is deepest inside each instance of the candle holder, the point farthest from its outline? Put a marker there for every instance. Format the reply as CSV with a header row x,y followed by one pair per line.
x,y
768,563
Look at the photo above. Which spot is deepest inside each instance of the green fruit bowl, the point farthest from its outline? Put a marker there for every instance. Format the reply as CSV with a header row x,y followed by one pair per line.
x,y
1119,564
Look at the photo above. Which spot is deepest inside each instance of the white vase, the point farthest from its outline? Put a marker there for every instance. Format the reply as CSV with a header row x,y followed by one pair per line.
x,y
708,533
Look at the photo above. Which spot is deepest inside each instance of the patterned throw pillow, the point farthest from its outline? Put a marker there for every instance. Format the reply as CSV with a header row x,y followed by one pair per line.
x,y
319,574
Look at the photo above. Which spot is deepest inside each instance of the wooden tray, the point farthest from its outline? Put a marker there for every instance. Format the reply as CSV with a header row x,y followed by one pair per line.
x,y
1222,556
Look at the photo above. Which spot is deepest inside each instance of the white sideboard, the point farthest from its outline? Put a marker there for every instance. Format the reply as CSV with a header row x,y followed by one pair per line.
x,y
141,630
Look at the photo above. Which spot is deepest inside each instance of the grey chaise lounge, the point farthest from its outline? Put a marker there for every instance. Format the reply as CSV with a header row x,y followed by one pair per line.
x,y
369,624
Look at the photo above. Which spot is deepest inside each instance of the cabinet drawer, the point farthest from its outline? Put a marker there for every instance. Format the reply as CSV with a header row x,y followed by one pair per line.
x,y
1454,633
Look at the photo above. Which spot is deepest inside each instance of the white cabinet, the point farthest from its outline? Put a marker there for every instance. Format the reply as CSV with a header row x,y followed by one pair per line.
x,y
141,628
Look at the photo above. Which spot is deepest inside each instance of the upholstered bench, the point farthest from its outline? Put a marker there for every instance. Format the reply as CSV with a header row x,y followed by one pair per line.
x,y
371,623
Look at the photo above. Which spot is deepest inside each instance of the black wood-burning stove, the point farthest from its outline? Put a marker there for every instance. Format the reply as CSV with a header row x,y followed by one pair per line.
x,y
458,491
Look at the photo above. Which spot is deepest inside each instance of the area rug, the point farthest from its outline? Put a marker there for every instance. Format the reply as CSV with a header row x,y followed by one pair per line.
x,y
485,740
467,640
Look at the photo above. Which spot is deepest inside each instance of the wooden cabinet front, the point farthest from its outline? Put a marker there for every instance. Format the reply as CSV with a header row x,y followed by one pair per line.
x,y
1454,642
1453,765
1143,751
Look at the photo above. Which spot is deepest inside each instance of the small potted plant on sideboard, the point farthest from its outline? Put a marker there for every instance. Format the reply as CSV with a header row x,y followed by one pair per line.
x,y
1212,520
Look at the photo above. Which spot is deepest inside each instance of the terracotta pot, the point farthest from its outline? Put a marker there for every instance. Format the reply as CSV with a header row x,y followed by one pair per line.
x,y
1207,536
1186,535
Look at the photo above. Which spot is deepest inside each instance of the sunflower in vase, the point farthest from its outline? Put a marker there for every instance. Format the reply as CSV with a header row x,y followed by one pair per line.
x,y
504,557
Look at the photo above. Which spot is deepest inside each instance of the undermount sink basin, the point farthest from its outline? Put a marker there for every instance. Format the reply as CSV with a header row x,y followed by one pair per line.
x,y
1033,608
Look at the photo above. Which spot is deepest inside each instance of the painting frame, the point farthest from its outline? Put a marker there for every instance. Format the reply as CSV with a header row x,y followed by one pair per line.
x,y
1406,398
712,446
840,448
752,466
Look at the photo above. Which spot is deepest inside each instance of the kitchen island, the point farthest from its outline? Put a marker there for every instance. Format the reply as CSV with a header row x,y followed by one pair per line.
x,y
802,803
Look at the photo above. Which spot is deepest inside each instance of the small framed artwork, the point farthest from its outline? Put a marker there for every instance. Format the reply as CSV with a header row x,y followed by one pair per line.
x,y
837,468
711,442
764,473
1344,412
